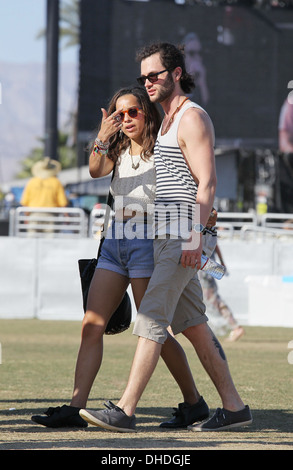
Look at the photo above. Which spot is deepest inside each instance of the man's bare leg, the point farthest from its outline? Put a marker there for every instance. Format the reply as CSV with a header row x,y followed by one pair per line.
x,y
214,361
144,363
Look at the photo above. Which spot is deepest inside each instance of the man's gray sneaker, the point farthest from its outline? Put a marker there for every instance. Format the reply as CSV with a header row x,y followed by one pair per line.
x,y
187,414
225,419
113,418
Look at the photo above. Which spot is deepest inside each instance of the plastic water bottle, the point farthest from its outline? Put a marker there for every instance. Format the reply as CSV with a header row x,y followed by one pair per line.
x,y
212,268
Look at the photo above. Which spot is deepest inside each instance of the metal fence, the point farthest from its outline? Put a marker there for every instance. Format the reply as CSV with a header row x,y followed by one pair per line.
x,y
74,222
48,222
242,225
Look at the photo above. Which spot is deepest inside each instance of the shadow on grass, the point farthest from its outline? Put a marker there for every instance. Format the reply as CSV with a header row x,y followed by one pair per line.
x,y
277,420
21,433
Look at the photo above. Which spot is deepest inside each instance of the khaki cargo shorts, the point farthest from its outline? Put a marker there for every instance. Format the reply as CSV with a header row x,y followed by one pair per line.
x,y
173,297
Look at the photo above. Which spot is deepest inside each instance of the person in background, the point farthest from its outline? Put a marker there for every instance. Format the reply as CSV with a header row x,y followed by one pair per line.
x,y
285,169
44,189
286,127
212,298
196,68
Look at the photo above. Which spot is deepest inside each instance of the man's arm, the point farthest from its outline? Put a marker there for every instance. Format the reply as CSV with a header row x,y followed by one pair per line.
x,y
196,140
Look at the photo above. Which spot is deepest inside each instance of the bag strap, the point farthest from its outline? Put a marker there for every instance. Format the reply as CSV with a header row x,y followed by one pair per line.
x,y
110,200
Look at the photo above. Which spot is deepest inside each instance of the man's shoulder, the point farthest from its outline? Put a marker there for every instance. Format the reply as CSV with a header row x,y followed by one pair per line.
x,y
195,116
196,124
195,108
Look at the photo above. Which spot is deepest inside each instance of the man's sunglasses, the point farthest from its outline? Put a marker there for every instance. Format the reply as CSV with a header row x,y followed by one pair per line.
x,y
151,77
132,113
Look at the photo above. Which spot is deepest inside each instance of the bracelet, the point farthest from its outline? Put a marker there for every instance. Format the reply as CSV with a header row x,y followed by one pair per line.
x,y
98,149
102,145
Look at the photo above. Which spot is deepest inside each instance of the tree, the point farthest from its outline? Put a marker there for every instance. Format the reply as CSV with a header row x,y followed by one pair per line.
x,y
67,156
69,27
69,31
69,23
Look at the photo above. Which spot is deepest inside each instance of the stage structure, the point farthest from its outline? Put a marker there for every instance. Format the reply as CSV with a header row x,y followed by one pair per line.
x,y
242,61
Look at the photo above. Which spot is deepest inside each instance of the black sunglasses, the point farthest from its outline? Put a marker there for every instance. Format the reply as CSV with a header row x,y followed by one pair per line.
x,y
151,77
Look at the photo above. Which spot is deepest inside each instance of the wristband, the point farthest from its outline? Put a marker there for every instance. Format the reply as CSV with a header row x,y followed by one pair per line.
x,y
98,149
102,145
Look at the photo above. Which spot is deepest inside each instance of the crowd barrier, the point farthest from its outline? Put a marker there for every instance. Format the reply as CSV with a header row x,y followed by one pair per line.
x,y
39,275
54,222
75,223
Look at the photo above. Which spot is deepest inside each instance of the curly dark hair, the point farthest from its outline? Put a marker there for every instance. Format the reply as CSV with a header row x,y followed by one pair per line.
x,y
119,141
171,57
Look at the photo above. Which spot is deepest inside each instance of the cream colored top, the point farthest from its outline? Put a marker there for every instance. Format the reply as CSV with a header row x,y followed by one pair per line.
x,y
132,189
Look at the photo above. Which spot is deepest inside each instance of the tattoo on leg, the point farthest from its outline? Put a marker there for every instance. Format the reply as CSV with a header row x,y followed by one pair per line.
x,y
218,345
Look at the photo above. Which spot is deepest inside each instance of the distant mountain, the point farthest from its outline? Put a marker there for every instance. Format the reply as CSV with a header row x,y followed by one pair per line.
x,y
22,111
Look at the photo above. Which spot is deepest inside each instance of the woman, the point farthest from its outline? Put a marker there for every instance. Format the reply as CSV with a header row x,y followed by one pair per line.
x,y
125,139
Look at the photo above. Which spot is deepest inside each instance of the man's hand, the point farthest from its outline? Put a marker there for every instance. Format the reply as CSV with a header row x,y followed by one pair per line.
x,y
191,251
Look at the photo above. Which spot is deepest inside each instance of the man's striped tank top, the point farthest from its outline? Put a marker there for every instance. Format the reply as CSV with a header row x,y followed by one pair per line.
x,y
176,189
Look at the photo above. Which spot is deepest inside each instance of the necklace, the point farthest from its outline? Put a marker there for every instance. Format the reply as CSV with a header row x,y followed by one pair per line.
x,y
172,117
133,165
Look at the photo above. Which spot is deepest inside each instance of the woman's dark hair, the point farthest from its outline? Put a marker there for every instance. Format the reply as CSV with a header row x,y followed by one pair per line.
x,y
171,57
119,141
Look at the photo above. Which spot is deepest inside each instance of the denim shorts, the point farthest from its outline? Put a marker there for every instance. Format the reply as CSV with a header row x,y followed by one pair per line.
x,y
131,257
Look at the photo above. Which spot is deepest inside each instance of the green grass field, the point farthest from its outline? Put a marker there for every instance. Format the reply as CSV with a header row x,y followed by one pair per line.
x,y
38,361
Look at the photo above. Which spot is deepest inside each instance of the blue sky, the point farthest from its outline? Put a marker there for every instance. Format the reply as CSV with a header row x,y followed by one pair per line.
x,y
20,22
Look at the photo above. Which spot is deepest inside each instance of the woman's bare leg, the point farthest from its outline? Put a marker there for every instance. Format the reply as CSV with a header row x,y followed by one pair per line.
x,y
106,292
175,359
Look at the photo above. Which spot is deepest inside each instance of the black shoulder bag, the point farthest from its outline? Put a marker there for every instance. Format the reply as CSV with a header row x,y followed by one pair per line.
x,y
121,318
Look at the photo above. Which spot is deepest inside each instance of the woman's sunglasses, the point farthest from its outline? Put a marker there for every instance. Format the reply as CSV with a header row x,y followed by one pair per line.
x,y
132,113
151,77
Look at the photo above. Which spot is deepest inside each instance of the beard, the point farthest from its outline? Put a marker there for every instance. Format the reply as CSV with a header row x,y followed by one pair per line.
x,y
165,91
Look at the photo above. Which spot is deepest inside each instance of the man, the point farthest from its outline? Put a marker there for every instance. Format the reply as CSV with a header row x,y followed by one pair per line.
x,y
185,172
